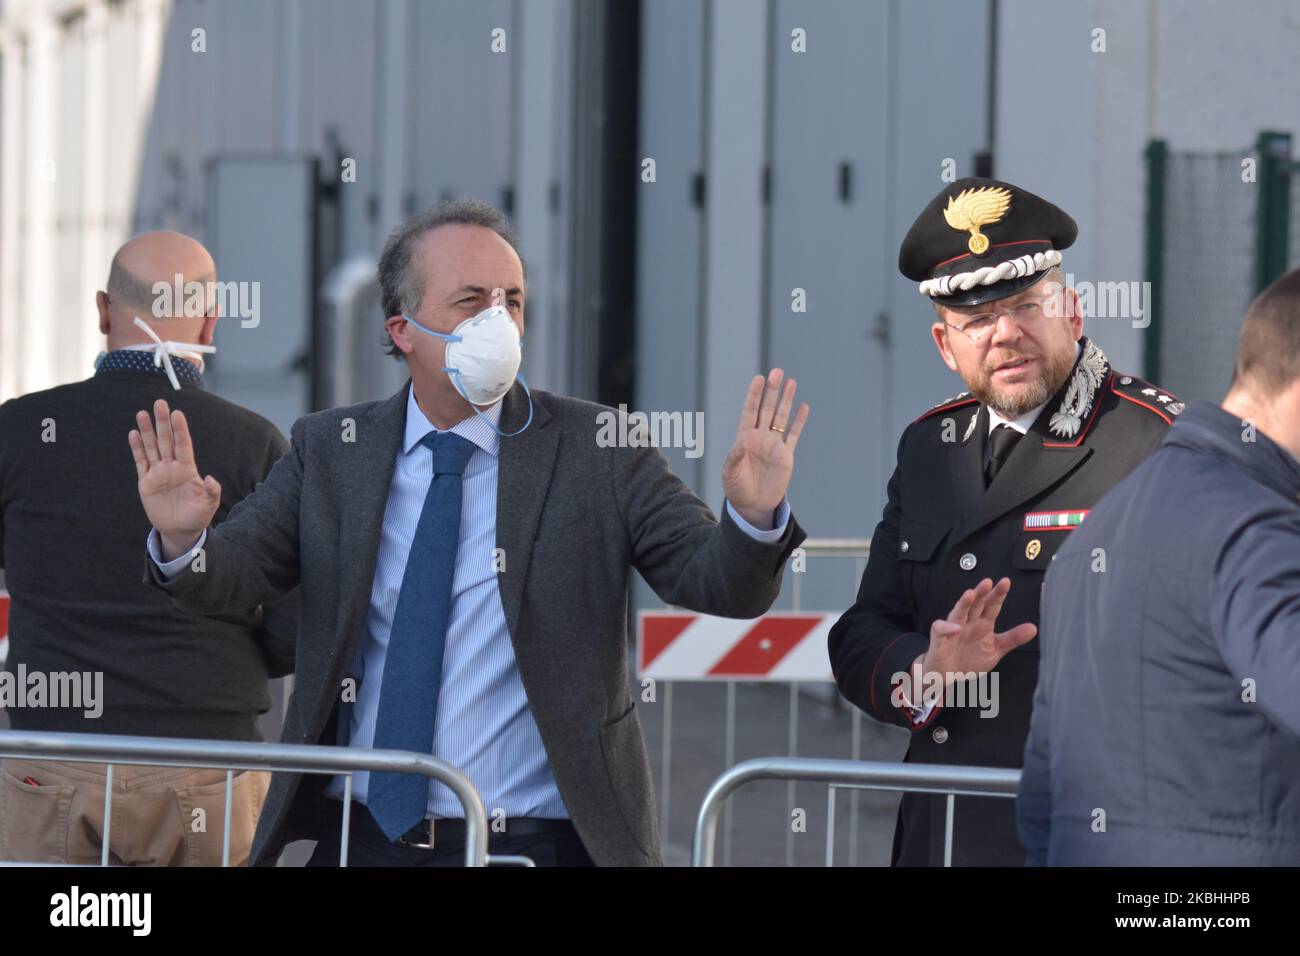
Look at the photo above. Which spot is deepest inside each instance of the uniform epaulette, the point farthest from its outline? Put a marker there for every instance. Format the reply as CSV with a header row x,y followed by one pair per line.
x,y
957,401
1155,399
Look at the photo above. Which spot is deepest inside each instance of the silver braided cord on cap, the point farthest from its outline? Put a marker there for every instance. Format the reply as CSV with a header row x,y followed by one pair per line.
x,y
987,275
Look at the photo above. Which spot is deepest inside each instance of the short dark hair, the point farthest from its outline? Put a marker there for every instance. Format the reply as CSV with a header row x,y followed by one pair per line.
x,y
128,291
125,288
1268,352
401,283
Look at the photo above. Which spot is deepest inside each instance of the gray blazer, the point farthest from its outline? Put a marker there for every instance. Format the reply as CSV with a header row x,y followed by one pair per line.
x,y
572,518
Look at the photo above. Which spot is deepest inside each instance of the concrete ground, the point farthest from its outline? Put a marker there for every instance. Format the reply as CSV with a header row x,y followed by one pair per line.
x,y
762,831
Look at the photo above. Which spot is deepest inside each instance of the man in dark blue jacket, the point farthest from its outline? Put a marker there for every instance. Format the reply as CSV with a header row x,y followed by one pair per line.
x,y
1166,722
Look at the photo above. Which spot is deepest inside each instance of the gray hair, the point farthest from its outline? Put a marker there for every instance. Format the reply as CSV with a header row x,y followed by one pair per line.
x,y
401,283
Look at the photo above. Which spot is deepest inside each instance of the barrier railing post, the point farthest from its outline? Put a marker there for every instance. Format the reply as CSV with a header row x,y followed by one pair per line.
x,y
867,775
667,760
857,548
225,823
108,814
237,755
792,730
792,749
830,825
729,758
947,830
347,820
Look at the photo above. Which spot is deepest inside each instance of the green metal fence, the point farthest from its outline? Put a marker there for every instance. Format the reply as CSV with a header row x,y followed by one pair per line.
x,y
1219,228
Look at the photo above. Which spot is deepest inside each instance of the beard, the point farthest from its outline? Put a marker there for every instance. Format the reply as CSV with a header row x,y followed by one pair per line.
x,y
1013,401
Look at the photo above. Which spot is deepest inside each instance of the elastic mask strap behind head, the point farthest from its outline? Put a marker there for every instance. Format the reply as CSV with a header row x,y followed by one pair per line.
x,y
163,352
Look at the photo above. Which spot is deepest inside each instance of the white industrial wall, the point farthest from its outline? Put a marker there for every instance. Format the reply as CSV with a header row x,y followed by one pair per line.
x,y
723,94
110,121
1204,75
894,88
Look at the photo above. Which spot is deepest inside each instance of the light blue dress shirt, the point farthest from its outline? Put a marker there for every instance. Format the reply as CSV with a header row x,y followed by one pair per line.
x,y
483,726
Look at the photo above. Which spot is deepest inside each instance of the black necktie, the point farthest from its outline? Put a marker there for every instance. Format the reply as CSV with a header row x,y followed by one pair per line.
x,y
1002,441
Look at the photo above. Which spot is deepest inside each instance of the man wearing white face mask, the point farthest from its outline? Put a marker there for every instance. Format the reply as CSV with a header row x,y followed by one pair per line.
x,y
464,549
69,546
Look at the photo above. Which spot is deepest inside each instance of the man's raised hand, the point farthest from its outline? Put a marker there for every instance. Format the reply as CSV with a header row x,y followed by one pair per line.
x,y
178,502
757,470
965,642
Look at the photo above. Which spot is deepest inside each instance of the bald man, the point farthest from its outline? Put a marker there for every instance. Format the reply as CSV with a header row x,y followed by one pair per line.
x,y
112,655
141,285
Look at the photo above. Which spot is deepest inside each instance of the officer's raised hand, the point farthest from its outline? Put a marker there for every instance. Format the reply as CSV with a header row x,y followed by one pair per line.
x,y
757,470
965,641
178,502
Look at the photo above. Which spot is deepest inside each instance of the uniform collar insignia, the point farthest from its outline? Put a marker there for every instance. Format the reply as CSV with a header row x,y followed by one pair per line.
x,y
955,401
960,396
1080,392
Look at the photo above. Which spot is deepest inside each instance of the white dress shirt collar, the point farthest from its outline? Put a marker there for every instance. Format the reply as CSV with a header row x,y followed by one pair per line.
x,y
1021,424
474,428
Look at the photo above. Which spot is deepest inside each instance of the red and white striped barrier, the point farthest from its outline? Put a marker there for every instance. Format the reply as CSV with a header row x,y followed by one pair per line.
x,y
781,646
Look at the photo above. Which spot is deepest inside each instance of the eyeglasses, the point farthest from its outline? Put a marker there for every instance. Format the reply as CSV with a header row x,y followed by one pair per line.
x,y
979,325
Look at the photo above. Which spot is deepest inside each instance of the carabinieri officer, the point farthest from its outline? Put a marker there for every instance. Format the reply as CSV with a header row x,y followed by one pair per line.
x,y
943,636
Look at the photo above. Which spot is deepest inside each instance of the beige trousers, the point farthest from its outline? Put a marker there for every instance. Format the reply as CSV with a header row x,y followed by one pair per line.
x,y
53,812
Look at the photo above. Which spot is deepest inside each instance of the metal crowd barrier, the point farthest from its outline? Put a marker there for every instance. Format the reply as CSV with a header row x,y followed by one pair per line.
x,y
850,774
858,549
232,755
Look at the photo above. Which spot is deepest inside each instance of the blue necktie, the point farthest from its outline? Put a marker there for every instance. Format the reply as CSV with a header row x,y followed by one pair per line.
x,y
408,693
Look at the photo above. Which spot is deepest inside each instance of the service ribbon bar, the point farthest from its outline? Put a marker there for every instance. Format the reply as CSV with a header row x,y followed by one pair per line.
x,y
1049,520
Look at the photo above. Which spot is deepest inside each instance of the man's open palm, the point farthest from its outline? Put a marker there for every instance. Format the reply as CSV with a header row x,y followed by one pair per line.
x,y
965,641
758,467
178,502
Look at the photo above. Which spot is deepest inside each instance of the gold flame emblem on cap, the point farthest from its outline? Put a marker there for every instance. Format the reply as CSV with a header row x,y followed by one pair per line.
x,y
972,208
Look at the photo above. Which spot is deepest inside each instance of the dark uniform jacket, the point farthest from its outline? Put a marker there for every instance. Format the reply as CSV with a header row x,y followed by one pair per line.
x,y
942,532
1179,660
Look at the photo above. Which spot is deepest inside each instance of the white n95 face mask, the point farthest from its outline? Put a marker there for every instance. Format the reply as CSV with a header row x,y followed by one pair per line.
x,y
483,357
